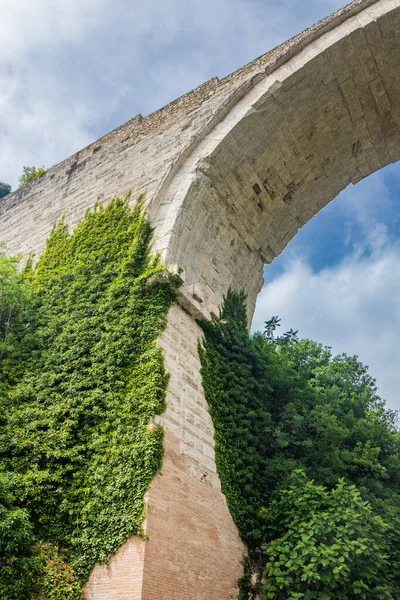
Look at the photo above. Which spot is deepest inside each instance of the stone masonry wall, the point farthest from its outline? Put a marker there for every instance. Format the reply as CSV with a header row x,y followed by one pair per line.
x,y
141,154
323,120
193,549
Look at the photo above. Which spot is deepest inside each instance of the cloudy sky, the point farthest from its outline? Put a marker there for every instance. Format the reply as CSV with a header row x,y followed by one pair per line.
x,y
73,70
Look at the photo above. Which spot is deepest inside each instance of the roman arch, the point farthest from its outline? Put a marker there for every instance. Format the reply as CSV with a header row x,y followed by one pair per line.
x,y
231,171
305,130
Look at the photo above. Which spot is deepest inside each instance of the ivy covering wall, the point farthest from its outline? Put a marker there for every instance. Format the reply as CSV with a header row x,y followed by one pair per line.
x,y
81,380
309,461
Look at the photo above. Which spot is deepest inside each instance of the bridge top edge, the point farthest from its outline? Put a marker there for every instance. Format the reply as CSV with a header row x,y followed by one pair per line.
x,y
274,56
170,114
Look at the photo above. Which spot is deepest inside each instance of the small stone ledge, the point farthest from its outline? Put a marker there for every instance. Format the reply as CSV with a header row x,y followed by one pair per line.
x,y
190,297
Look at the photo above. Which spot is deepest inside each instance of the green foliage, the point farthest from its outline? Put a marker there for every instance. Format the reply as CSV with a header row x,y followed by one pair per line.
x,y
29,174
14,295
271,326
15,298
236,385
284,404
17,563
327,544
84,387
5,189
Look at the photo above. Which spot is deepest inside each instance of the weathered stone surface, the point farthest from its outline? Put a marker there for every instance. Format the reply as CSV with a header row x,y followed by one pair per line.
x,y
231,171
193,548
326,118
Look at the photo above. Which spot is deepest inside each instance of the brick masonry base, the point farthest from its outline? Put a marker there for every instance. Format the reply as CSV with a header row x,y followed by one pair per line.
x,y
193,551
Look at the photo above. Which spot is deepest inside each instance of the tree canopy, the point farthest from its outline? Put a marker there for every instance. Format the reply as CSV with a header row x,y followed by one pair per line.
x,y
298,427
5,189
307,452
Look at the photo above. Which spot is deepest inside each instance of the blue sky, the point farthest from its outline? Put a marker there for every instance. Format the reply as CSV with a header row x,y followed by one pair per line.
x,y
71,71
337,281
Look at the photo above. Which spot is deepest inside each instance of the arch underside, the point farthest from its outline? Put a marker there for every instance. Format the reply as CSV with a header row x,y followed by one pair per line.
x,y
328,118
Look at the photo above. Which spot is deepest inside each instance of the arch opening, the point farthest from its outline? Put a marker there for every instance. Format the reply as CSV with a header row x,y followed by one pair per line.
x,y
326,119
337,283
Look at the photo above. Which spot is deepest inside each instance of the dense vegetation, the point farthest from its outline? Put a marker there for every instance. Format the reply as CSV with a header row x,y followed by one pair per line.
x,y
81,379
309,460
30,174
5,189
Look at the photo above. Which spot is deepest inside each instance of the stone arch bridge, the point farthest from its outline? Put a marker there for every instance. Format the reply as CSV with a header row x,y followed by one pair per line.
x,y
231,171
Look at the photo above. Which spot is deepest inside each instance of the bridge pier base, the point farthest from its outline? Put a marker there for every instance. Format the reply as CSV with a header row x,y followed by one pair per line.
x,y
193,550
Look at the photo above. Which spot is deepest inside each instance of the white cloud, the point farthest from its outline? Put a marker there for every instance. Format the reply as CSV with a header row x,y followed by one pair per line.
x,y
28,25
38,128
74,69
353,307
41,122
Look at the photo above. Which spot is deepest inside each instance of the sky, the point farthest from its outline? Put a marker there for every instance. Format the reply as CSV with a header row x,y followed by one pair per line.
x,y
73,70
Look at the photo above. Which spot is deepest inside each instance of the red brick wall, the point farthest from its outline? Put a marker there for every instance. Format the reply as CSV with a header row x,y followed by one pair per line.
x,y
193,551
122,579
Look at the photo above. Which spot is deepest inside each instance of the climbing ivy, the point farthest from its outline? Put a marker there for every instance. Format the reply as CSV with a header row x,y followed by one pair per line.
x,y
236,385
282,406
79,396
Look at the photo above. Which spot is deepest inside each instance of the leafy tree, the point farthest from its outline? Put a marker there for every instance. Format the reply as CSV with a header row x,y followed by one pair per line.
x,y
17,561
18,564
271,325
283,404
327,544
5,188
335,424
290,336
29,174
14,298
